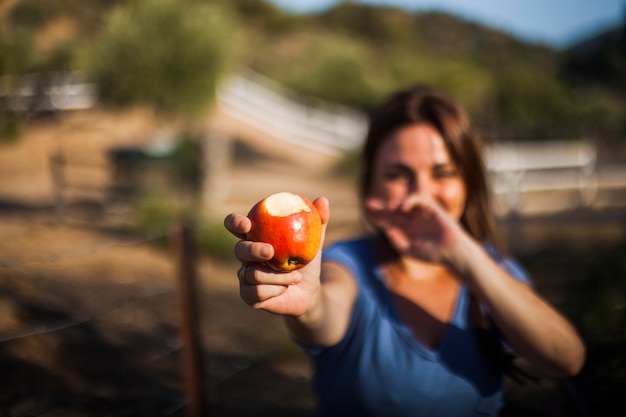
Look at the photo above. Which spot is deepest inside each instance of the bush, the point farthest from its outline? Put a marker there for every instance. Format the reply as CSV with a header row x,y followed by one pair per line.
x,y
17,53
9,126
156,213
215,241
163,53
599,312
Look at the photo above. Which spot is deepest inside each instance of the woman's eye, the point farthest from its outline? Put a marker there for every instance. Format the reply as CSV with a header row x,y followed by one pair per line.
x,y
394,175
445,172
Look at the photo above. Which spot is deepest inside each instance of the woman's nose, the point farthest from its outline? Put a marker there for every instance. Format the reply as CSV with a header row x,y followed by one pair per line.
x,y
422,185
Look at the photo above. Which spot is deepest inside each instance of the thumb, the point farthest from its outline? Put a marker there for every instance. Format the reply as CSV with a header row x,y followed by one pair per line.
x,y
323,207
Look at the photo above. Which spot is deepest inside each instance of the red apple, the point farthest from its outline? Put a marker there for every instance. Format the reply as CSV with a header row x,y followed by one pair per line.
x,y
291,224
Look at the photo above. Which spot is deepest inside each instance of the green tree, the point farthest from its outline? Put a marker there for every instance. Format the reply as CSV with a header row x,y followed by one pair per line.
x,y
17,52
326,66
167,54
533,101
17,56
339,73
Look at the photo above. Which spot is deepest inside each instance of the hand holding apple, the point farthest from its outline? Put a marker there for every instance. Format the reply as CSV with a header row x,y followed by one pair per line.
x,y
291,224
290,293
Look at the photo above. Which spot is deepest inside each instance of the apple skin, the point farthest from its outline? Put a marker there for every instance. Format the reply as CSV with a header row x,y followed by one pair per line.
x,y
291,224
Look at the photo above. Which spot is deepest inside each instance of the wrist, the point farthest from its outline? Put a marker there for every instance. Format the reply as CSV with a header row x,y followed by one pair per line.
x,y
461,254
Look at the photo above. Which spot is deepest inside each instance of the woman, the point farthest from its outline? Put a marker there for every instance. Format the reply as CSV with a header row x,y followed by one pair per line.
x,y
403,321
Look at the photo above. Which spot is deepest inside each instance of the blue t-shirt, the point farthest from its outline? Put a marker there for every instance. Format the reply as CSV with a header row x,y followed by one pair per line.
x,y
380,369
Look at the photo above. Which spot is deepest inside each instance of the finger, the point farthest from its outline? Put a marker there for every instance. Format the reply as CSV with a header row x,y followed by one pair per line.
x,y
255,295
374,204
376,213
247,251
256,275
374,207
398,239
238,225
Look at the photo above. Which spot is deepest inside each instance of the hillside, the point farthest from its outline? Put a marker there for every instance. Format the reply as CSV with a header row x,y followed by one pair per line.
x,y
600,60
355,54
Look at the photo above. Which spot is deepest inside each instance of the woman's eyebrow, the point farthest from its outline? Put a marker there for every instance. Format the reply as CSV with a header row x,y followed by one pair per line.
x,y
398,165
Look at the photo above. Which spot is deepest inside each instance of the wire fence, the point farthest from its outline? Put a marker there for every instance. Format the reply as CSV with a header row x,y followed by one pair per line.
x,y
115,345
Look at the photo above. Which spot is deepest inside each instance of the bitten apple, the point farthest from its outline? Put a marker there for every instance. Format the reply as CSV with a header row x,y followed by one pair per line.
x,y
291,224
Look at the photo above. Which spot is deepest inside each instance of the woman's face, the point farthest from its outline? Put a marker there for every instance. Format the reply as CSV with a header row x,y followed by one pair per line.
x,y
415,160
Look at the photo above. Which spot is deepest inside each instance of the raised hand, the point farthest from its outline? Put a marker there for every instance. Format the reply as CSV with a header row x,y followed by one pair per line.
x,y
286,293
417,227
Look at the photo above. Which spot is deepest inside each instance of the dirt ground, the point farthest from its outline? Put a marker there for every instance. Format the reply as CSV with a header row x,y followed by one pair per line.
x,y
89,313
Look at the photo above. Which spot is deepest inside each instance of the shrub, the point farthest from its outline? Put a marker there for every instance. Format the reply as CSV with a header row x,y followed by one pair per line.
x,y
163,53
599,312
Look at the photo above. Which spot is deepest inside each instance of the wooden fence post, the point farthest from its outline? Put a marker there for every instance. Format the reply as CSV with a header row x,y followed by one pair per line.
x,y
192,367
57,165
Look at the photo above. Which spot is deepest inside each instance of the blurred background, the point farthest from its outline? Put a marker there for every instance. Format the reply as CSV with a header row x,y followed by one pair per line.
x,y
122,120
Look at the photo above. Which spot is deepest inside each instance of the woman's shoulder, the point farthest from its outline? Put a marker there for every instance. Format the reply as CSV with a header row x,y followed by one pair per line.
x,y
355,244
354,254
351,251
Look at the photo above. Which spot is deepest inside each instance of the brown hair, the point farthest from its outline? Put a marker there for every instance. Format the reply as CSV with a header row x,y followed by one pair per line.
x,y
425,104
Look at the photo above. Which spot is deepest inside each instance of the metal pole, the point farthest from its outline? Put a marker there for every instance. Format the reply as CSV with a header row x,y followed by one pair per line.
x,y
192,369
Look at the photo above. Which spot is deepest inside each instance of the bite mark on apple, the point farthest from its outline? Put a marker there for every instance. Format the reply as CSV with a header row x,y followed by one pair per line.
x,y
284,204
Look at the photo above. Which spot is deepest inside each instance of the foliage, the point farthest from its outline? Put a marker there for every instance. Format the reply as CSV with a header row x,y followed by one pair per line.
x,y
16,56
355,54
374,26
35,14
17,52
339,72
522,90
601,59
187,163
156,215
599,311
21,48
9,126
262,16
214,240
603,115
351,53
349,165
164,53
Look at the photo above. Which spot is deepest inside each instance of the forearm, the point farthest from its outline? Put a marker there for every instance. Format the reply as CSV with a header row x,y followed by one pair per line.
x,y
535,330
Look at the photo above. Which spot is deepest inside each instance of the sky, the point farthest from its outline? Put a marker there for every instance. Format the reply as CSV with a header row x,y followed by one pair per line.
x,y
556,23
